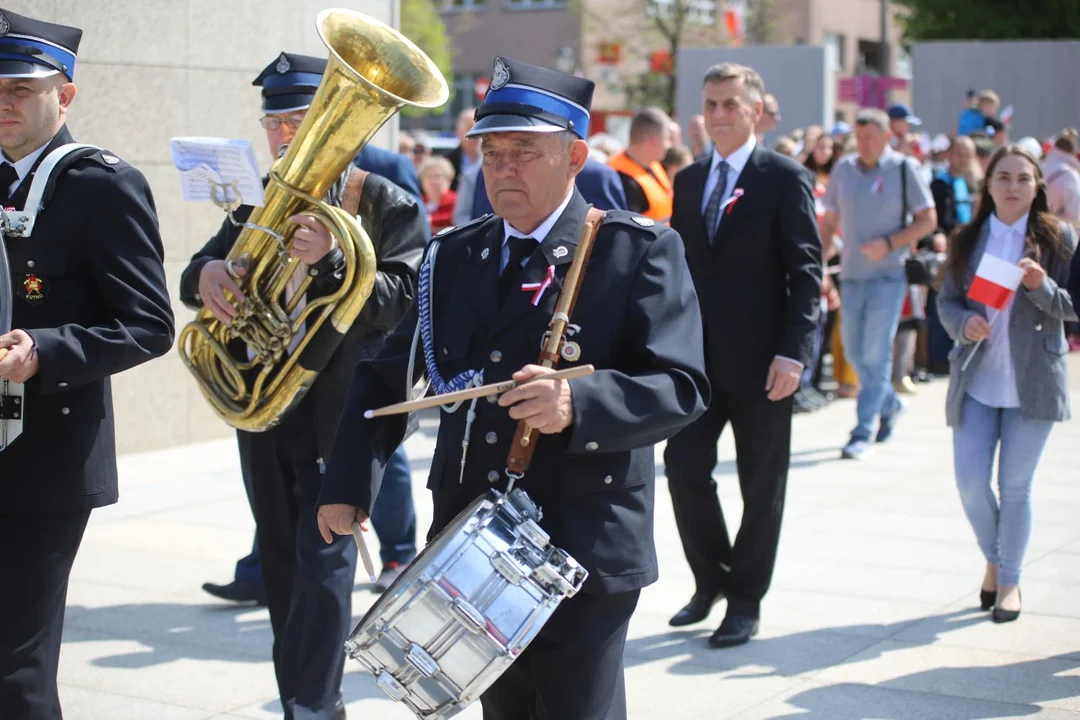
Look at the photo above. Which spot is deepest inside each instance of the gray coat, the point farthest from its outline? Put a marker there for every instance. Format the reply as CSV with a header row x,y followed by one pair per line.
x,y
1036,338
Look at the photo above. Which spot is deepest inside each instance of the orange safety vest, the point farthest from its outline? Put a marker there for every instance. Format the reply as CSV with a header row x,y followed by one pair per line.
x,y
656,185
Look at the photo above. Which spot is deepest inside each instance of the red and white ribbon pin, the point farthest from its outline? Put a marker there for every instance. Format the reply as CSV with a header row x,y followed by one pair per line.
x,y
537,289
730,202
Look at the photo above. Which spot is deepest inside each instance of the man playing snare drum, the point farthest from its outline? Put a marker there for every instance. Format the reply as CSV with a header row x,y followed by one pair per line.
x,y
496,283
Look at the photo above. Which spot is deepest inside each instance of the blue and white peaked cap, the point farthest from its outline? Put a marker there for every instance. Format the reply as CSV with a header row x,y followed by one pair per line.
x,y
33,48
529,98
289,83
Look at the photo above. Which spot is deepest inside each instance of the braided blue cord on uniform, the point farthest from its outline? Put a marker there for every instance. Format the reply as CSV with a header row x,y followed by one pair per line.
x,y
466,378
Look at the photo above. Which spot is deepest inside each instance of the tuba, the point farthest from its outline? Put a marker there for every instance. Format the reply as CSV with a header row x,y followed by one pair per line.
x,y
372,72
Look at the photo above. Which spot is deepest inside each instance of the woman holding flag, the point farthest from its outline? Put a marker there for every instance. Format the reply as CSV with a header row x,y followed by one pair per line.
x,y
1004,304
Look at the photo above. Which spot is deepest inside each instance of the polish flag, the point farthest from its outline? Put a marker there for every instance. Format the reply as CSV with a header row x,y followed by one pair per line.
x,y
995,282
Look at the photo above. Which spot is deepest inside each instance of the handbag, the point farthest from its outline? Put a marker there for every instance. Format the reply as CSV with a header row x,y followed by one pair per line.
x,y
921,267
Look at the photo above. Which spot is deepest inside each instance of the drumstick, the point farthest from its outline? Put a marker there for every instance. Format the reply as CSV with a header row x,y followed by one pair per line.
x,y
470,393
361,545
3,352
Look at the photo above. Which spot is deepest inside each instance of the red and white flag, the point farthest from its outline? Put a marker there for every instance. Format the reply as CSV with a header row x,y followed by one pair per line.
x,y
995,282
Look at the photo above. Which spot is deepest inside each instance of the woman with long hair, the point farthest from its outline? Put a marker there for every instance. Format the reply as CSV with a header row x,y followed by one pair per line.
x,y
1008,379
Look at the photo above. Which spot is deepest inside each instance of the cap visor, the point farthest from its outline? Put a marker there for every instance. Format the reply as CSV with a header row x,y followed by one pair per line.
x,y
912,120
287,103
511,123
23,69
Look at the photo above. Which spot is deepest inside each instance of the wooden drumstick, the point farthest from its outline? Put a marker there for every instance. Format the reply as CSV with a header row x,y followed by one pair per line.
x,y
365,554
3,352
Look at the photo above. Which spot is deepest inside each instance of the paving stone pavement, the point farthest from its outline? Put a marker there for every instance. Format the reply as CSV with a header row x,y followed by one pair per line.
x,y
872,614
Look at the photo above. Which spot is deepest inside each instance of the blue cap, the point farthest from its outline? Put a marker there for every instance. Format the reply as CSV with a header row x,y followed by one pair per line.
x,y
289,82
33,48
840,128
529,98
903,112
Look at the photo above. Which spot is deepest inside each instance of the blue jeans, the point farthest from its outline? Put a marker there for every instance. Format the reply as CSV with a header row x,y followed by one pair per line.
x,y
870,314
1002,528
393,516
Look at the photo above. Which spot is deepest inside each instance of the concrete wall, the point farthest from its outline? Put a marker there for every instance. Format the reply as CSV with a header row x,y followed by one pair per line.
x,y
1038,78
796,75
149,70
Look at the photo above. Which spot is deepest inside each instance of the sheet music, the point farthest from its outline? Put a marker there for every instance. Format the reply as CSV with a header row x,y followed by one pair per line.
x,y
209,165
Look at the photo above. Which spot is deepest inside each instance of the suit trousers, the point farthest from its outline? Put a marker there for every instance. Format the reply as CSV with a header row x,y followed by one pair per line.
x,y
741,570
573,669
36,554
308,583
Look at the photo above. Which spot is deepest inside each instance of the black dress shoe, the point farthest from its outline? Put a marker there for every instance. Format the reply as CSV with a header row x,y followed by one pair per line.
x,y
1004,616
238,591
735,630
987,598
339,711
697,609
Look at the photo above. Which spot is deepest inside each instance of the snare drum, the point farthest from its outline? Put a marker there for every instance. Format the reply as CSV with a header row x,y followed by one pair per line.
x,y
466,608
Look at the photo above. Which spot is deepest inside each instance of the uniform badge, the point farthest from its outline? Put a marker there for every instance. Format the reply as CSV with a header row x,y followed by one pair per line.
x,y
33,289
5,26
500,76
560,252
485,253
109,159
643,221
283,65
443,231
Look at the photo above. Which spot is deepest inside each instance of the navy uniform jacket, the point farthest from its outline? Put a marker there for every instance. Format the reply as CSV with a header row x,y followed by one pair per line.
x,y
598,183
639,325
101,307
392,220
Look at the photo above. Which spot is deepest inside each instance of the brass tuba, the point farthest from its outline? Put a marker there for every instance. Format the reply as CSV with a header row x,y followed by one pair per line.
x,y
373,71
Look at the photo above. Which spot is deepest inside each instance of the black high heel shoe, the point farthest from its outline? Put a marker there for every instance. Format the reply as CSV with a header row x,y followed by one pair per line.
x,y
987,598
1004,616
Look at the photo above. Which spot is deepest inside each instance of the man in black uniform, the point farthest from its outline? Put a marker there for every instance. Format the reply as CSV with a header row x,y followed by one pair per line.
x,y
309,586
593,471
90,301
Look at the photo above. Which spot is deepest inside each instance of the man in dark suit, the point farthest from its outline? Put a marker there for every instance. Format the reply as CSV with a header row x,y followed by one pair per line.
x,y
466,156
598,184
89,301
746,215
308,586
592,472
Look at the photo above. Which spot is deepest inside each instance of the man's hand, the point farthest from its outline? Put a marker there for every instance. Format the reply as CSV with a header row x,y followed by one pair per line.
x,y
338,519
875,249
311,241
1033,274
976,328
546,405
784,379
214,280
939,243
18,360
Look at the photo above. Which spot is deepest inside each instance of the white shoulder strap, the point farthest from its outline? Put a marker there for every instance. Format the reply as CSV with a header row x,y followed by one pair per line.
x,y
21,222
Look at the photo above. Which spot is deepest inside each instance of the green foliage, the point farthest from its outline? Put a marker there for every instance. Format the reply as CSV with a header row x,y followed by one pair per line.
x,y
989,20
421,23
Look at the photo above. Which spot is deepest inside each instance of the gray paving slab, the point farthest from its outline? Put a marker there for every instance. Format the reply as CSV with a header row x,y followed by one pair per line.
x,y
870,614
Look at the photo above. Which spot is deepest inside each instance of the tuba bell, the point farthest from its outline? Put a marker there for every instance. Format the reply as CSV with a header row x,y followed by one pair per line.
x,y
372,72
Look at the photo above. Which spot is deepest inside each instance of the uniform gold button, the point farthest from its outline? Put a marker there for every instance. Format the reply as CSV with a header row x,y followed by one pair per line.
x,y
65,411
445,351
493,476
607,479
1038,328
496,356
591,446
493,399
29,263
61,384
491,438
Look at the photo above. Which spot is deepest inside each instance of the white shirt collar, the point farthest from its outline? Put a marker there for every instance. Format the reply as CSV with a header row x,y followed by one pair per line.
x,y
1000,229
542,231
737,160
22,167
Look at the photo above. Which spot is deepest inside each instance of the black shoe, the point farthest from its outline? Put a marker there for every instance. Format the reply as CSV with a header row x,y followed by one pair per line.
x,y
987,598
339,711
238,591
697,609
735,630
1004,616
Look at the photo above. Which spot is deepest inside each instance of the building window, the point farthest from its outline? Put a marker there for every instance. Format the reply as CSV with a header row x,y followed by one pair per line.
x,y
461,5
534,4
834,51
699,12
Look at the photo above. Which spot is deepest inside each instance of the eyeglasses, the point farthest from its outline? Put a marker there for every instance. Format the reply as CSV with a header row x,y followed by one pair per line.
x,y
273,122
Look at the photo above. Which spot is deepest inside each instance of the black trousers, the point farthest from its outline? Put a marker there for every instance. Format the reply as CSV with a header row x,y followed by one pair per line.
x,y
308,583
36,554
762,428
572,670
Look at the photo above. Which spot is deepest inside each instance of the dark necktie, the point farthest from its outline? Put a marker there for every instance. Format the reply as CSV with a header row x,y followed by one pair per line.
x,y
712,210
7,177
520,248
